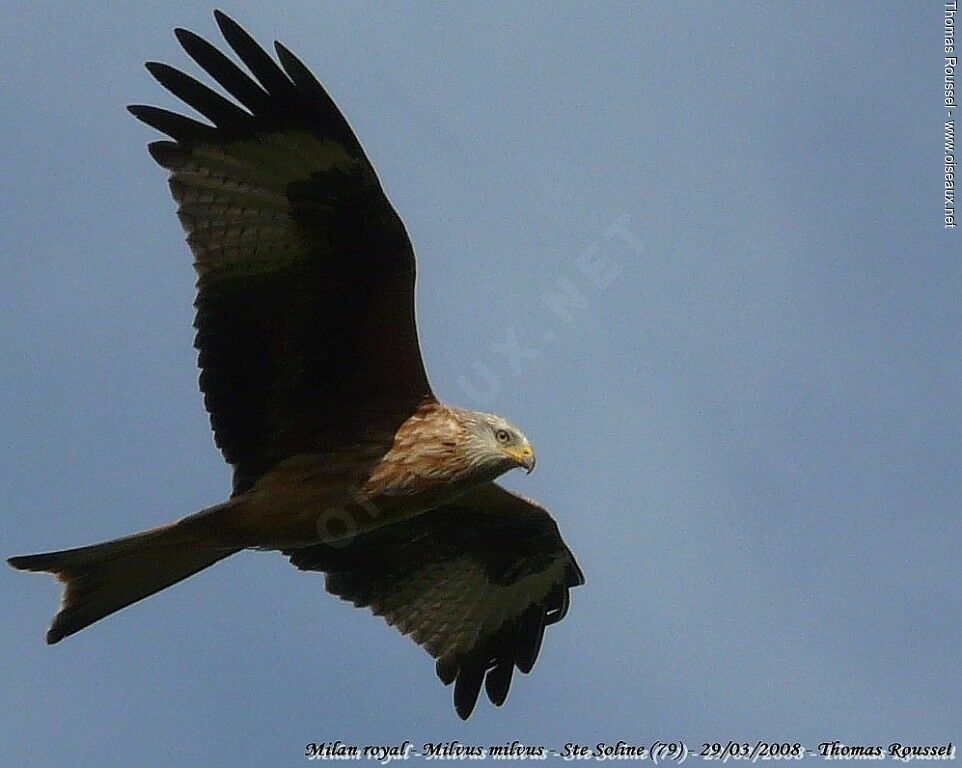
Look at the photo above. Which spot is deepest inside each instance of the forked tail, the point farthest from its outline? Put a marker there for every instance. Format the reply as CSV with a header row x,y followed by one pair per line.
x,y
103,578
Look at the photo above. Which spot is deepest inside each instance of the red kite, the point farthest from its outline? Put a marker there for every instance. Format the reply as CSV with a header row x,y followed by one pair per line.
x,y
310,367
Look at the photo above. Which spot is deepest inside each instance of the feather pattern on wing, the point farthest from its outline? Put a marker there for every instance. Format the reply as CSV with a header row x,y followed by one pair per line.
x,y
305,306
474,582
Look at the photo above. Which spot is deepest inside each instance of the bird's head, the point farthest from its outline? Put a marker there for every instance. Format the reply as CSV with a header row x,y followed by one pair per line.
x,y
494,443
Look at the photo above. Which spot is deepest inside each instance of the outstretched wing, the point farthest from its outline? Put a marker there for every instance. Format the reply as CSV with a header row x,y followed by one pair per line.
x,y
305,306
474,582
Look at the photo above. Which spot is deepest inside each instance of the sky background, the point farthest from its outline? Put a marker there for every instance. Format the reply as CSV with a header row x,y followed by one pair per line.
x,y
750,437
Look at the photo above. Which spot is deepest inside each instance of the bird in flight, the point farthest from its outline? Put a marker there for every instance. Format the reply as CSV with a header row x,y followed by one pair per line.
x,y
310,368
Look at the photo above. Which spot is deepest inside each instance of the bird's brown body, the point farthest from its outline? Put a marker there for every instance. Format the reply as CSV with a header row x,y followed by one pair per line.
x,y
312,374
333,496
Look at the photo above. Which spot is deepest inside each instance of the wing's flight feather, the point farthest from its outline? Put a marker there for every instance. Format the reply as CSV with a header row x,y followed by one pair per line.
x,y
209,103
270,76
475,583
305,307
230,77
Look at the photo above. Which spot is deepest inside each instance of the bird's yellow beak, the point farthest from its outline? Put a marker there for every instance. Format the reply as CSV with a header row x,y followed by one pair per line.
x,y
523,456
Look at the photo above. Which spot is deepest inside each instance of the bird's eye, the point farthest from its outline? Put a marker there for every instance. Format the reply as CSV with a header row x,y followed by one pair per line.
x,y
502,435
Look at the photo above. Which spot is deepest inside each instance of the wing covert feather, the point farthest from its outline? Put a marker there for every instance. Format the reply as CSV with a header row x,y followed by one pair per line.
x,y
305,307
474,583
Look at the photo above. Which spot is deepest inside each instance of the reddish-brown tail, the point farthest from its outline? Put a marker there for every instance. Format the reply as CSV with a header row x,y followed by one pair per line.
x,y
103,578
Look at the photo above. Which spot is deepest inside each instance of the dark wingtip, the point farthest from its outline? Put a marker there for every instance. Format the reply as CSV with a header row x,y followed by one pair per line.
x,y
176,126
295,68
447,669
223,20
188,39
164,152
40,562
468,687
498,682
64,625
160,71
530,635
157,71
145,113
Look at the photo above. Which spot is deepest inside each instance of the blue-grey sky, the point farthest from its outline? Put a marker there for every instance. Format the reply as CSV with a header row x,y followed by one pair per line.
x,y
750,437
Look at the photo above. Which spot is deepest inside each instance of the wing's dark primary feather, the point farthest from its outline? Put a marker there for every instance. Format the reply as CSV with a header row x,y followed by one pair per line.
x,y
475,583
305,308
230,77
274,80
220,111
